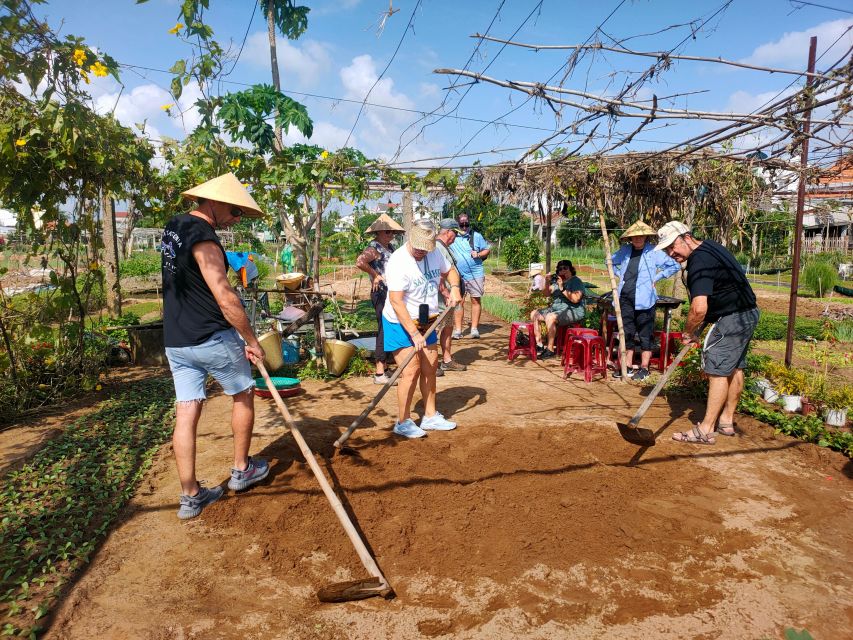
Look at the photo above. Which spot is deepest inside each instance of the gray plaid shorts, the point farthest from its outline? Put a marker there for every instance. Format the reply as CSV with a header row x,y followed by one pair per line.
x,y
727,342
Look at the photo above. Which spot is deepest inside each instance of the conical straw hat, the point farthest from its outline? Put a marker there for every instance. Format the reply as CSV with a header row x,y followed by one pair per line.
x,y
226,188
639,228
384,223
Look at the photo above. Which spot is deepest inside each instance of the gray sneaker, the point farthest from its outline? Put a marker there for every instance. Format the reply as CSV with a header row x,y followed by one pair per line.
x,y
452,366
191,506
257,470
474,333
457,335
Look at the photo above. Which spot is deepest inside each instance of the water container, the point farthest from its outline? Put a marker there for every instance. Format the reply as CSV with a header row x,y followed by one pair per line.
x,y
290,350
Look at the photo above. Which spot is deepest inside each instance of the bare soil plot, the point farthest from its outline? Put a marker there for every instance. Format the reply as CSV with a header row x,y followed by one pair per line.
x,y
533,519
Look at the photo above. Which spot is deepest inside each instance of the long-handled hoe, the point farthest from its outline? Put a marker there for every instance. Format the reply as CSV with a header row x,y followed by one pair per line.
x,y
342,591
633,432
339,443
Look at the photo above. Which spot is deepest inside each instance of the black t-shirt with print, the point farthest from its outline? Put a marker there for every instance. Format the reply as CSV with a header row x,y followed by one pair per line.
x,y
629,286
190,312
713,271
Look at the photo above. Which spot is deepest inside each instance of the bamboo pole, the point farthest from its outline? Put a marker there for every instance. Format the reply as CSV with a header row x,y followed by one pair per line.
x,y
614,286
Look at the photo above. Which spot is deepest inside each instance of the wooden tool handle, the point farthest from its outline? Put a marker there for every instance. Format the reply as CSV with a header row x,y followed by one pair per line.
x,y
366,559
663,380
346,434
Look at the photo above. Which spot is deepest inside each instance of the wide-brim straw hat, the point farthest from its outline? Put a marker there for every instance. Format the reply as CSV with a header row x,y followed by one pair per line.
x,y
226,188
639,228
421,238
536,269
385,223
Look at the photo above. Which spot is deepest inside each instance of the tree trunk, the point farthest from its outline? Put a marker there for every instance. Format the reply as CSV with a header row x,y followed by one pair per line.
x,y
319,322
127,238
614,287
111,276
278,144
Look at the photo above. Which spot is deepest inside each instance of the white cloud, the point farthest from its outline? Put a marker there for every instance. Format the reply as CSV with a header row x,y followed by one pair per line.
x,y
141,103
746,102
308,62
360,76
325,135
429,89
792,49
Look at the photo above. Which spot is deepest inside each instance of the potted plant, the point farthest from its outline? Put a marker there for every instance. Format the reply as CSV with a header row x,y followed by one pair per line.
x,y
838,403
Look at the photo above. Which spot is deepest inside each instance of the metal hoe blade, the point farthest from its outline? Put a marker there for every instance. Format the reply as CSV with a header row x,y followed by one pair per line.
x,y
354,590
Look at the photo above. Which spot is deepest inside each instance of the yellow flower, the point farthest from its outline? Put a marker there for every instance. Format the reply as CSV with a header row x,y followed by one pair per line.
x,y
93,266
79,57
245,185
324,155
166,107
174,30
235,162
99,69
20,142
85,75
98,387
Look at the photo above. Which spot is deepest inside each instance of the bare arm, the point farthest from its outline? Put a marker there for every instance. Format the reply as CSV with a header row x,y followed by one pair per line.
x,y
364,259
695,317
453,280
209,258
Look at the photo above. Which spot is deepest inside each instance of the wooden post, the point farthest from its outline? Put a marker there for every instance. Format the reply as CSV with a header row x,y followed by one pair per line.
x,y
547,211
801,199
407,211
111,275
614,287
319,321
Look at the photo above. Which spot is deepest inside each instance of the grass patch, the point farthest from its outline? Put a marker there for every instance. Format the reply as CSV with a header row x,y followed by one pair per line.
x,y
502,308
57,509
142,308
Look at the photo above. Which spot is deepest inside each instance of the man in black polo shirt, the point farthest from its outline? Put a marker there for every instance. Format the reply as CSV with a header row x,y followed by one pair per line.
x,y
719,294
203,323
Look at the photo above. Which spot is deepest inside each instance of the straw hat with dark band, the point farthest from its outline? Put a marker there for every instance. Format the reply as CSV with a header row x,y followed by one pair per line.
x,y
385,223
422,238
639,228
226,188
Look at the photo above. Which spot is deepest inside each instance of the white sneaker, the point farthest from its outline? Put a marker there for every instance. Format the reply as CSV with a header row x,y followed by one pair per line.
x,y
457,335
437,422
408,429
380,379
474,333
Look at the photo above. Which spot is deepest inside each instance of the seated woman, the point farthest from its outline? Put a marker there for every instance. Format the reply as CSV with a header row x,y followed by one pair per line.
x,y
567,307
413,274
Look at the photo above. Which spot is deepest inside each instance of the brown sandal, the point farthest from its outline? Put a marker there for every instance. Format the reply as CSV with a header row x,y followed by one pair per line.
x,y
726,429
694,436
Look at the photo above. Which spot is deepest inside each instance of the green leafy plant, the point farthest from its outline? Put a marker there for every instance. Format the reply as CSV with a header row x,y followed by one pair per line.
x,y
502,308
774,326
59,506
820,276
520,250
141,264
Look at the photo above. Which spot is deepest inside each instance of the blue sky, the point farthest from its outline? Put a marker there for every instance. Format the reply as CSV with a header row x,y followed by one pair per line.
x,y
342,53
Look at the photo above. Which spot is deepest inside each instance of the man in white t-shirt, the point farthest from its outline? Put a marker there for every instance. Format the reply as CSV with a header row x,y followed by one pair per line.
x,y
413,274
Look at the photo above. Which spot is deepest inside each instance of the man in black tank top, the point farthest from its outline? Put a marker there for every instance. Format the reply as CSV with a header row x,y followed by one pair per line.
x,y
719,294
203,322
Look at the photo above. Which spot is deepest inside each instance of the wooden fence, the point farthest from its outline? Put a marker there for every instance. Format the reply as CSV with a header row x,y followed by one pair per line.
x,y
818,244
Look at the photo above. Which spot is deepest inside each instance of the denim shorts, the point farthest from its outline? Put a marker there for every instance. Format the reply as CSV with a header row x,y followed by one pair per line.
x,y
223,356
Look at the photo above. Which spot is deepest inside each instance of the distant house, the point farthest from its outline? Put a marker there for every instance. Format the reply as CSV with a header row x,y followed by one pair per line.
x,y
828,215
8,222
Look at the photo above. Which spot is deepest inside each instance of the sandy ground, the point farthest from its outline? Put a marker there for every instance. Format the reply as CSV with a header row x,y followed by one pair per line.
x,y
533,519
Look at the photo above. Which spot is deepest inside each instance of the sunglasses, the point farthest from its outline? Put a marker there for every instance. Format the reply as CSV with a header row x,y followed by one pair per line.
x,y
464,225
236,212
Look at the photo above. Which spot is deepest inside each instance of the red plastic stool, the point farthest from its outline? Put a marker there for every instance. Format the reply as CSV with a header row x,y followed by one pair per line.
x,y
514,349
571,334
562,339
587,356
673,341
612,333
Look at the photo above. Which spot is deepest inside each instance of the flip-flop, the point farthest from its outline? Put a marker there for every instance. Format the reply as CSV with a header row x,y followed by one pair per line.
x,y
694,436
726,429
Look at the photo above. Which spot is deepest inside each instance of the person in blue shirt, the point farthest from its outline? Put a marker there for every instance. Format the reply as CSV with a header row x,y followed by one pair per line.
x,y
469,250
638,266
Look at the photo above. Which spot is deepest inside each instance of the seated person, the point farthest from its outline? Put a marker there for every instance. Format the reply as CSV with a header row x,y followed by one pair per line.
x,y
537,278
567,307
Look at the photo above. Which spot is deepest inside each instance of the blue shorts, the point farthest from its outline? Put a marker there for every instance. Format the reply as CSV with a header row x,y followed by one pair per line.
x,y
396,337
223,356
